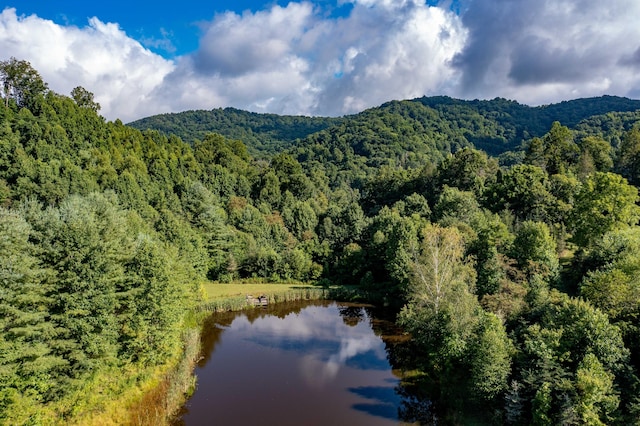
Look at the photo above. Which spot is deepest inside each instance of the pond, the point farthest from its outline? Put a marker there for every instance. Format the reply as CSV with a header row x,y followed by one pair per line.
x,y
318,363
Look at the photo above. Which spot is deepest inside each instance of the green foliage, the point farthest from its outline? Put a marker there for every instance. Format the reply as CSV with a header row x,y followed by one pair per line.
x,y
575,357
605,202
83,98
264,134
596,155
454,205
106,234
21,83
490,362
523,189
535,249
442,312
628,164
467,170
555,152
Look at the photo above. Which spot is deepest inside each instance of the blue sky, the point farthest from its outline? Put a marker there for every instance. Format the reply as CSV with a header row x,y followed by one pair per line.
x,y
324,57
162,27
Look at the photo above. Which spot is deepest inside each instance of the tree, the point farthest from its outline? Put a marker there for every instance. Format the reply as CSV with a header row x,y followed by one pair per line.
x,y
598,152
442,311
84,242
468,170
151,303
525,189
490,357
596,399
456,205
604,203
612,282
84,99
535,250
573,359
20,82
438,269
29,368
555,152
628,164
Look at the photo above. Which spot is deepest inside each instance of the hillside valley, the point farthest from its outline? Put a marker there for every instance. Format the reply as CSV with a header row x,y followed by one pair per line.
x,y
504,238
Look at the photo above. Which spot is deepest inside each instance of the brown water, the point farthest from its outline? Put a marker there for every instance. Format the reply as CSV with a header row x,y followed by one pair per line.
x,y
311,364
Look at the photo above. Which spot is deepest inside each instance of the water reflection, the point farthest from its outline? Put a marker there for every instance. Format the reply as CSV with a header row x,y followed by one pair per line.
x,y
316,364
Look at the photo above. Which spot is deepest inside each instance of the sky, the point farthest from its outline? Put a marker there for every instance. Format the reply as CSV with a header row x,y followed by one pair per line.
x,y
324,57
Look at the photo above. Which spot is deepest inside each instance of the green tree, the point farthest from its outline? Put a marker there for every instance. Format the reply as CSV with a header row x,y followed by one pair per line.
x,y
442,310
596,394
535,249
597,152
612,282
555,152
525,190
454,205
301,220
84,243
490,355
151,303
468,170
605,202
30,371
84,99
20,82
628,161
572,361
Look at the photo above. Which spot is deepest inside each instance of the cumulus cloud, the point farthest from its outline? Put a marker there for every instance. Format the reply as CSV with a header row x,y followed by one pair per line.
x,y
239,44
291,60
99,57
302,59
548,50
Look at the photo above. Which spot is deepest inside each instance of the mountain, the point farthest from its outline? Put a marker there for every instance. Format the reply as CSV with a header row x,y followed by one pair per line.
x,y
409,134
107,234
510,123
427,125
264,134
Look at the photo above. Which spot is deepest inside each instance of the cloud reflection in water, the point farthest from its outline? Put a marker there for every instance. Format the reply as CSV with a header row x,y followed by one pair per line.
x,y
329,342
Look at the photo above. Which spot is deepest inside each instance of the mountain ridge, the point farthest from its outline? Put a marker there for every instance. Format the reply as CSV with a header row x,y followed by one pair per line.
x,y
495,125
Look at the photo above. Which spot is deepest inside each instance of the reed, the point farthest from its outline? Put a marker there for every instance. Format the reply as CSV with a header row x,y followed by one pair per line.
x,y
238,303
159,405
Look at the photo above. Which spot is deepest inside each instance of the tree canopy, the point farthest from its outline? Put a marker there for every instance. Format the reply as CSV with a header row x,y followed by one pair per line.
x,y
516,276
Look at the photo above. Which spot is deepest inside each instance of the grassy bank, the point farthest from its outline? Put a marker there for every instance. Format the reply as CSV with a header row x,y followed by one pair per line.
x,y
153,396
131,395
233,297
119,394
165,396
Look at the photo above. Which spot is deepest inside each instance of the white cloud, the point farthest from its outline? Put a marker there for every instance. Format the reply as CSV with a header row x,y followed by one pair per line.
x,y
299,60
99,57
236,45
548,50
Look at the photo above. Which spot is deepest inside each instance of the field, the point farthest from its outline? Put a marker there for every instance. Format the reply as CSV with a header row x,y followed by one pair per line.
x,y
233,297
223,291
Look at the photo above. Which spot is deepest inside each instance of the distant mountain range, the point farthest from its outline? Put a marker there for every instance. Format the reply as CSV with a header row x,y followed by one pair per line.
x,y
441,122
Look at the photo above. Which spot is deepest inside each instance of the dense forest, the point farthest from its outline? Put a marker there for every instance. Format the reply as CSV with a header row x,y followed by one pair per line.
x,y
517,275
493,126
263,134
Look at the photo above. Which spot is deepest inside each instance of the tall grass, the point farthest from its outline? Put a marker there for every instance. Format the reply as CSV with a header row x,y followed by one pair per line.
x,y
237,303
154,395
158,406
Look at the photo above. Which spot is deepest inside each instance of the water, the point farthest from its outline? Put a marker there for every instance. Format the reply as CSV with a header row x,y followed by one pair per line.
x,y
314,364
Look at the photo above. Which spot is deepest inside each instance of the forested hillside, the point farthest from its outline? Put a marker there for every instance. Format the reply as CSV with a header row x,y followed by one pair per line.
x,y
263,134
520,282
423,124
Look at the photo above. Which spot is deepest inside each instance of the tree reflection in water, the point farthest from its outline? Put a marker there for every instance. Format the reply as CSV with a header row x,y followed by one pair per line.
x,y
297,355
